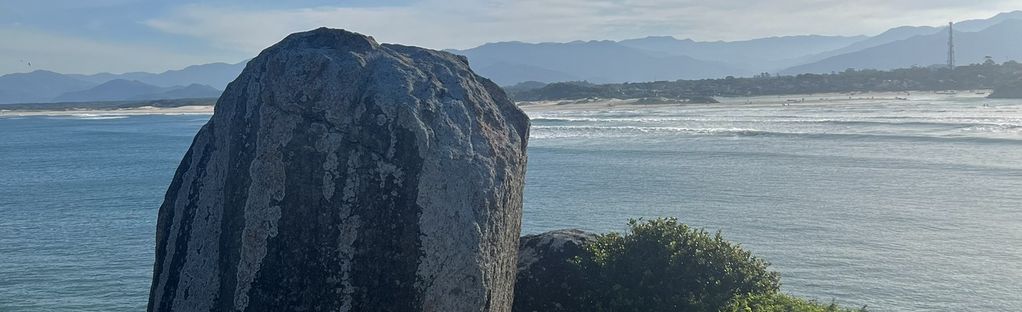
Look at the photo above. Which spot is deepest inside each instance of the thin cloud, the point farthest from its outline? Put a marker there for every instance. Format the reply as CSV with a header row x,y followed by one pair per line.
x,y
225,32
77,55
463,23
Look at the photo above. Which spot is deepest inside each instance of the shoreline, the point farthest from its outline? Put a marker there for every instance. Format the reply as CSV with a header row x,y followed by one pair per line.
x,y
793,100
93,112
198,106
29,110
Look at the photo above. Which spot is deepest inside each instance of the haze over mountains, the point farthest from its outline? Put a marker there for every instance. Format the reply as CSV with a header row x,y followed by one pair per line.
x,y
999,41
197,81
121,89
668,58
632,60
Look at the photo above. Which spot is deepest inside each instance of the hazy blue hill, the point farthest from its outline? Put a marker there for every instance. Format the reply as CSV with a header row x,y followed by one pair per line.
x,y
668,58
891,35
906,32
192,91
38,86
999,41
756,55
100,78
828,60
596,61
981,24
123,89
113,90
504,73
216,75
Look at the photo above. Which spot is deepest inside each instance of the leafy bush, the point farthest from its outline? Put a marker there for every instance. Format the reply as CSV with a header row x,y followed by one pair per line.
x,y
663,265
779,302
658,265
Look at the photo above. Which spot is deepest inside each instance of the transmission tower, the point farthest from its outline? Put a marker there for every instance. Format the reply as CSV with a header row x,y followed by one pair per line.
x,y
951,45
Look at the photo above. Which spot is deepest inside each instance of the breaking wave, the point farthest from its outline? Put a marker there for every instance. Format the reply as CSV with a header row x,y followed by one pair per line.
x,y
558,132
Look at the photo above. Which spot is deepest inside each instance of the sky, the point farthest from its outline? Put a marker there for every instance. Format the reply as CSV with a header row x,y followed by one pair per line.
x,y
90,36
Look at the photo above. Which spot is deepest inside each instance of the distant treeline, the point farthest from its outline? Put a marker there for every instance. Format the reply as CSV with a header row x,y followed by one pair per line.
x,y
988,75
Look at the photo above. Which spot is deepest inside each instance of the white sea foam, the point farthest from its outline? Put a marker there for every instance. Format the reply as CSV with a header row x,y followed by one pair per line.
x,y
548,132
97,116
87,117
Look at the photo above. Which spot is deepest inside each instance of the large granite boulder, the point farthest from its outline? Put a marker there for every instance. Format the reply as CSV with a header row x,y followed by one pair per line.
x,y
339,174
548,280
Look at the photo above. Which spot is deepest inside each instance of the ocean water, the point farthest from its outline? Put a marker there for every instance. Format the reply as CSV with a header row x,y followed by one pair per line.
x,y
899,205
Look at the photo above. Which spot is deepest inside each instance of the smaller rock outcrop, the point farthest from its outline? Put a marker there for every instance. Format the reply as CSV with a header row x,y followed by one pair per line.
x,y
548,280
1008,91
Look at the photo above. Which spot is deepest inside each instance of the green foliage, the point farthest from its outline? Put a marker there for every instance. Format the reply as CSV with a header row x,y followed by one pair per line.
x,y
662,265
1010,90
779,302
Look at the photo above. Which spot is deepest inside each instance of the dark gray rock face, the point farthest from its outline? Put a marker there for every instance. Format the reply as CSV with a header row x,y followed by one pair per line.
x,y
339,174
547,280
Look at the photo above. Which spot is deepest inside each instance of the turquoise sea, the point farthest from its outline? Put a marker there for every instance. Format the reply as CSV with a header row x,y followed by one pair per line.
x,y
900,205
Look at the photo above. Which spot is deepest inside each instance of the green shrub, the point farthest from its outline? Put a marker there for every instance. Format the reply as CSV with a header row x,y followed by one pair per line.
x,y
779,302
663,265
657,265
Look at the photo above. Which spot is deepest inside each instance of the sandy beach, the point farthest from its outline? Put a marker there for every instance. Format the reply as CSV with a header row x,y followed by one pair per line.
x,y
144,110
756,101
583,104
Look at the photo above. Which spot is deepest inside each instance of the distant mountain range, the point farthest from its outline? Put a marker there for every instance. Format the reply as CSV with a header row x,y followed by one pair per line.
x,y
597,61
668,58
216,75
999,42
752,56
121,89
198,81
632,60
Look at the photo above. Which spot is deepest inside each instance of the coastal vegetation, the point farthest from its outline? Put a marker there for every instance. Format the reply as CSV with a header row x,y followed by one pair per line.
x,y
108,105
987,75
781,302
663,265
1009,90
